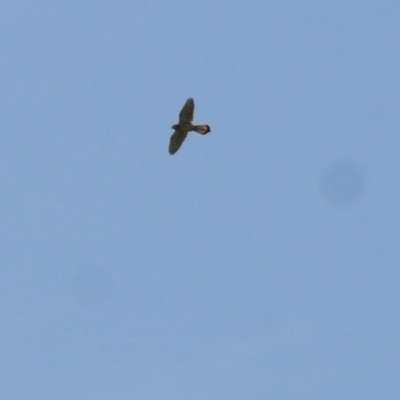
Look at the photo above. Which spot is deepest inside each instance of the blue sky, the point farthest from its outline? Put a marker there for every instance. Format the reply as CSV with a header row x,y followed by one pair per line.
x,y
259,262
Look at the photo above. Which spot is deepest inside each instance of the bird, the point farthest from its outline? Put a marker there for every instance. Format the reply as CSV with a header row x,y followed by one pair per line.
x,y
185,126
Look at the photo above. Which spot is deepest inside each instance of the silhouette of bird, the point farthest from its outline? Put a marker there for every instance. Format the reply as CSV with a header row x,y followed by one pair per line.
x,y
185,126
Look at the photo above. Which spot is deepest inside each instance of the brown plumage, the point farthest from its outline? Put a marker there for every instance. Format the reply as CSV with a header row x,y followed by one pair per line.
x,y
185,126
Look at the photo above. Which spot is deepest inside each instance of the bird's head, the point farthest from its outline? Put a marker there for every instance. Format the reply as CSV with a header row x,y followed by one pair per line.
x,y
174,126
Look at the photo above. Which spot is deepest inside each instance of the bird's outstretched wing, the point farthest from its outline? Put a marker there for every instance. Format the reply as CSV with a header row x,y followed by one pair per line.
x,y
186,114
176,140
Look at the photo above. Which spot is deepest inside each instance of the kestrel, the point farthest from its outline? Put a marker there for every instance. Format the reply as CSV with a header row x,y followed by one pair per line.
x,y
185,126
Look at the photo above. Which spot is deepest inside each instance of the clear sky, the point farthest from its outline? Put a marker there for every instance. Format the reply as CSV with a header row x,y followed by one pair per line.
x,y
261,261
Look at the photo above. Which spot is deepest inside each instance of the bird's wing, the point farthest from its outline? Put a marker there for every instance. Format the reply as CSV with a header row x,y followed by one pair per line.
x,y
186,114
176,140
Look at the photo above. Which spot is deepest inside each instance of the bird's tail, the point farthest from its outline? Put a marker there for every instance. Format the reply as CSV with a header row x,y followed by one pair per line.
x,y
202,129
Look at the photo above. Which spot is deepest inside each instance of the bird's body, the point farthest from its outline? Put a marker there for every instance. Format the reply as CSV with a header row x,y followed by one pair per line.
x,y
185,126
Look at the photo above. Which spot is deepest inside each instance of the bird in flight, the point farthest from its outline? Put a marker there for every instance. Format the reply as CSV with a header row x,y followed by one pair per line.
x,y
185,126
